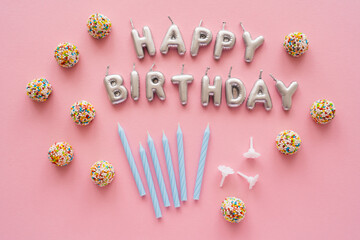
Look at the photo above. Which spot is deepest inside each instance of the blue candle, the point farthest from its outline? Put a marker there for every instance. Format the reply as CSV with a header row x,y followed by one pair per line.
x,y
158,172
131,161
150,183
180,148
171,172
200,172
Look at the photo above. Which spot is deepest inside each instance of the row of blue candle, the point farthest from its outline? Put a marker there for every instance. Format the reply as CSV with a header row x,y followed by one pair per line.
x,y
169,164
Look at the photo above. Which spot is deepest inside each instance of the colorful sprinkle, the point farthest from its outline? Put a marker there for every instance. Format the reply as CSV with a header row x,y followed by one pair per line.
x,y
99,26
288,142
102,173
322,111
82,112
39,89
66,55
296,44
61,154
233,209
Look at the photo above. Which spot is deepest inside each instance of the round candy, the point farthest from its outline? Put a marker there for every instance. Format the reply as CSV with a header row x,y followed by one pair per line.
x,y
296,44
67,55
39,89
233,209
322,111
288,142
82,112
61,153
99,26
102,173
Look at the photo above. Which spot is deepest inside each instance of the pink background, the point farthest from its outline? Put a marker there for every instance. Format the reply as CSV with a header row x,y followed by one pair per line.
x,y
312,195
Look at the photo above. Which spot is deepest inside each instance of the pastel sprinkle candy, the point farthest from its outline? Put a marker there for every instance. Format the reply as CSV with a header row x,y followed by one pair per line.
x,y
66,55
39,89
233,209
296,44
288,142
61,153
99,26
322,111
82,112
102,173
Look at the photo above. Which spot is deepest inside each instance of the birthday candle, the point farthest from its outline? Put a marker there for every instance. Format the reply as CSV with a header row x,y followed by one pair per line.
x,y
131,161
170,169
150,182
180,147
200,172
158,172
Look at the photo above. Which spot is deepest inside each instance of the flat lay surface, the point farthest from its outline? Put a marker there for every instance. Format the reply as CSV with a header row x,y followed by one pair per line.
x,y
313,194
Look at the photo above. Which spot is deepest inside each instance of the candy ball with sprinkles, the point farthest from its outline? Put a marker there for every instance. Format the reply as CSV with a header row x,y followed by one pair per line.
x,y
39,89
322,111
233,209
61,153
288,142
82,113
296,44
66,55
99,26
102,173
